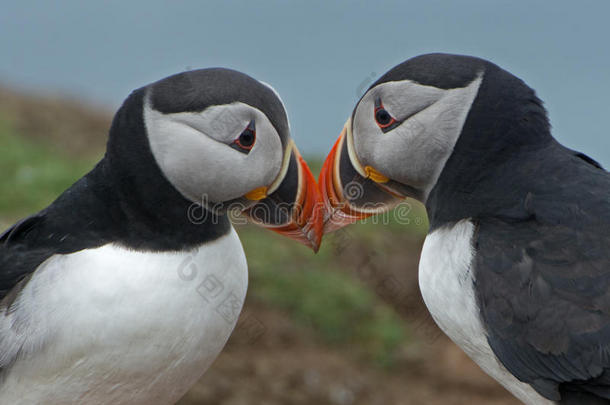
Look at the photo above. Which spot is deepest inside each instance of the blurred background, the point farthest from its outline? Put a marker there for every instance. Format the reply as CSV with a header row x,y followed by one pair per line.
x,y
345,326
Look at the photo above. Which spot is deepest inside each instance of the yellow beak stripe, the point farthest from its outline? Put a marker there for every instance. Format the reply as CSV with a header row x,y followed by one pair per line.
x,y
257,194
373,174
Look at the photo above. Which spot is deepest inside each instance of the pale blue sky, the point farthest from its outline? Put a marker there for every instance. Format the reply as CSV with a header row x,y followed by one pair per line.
x,y
319,55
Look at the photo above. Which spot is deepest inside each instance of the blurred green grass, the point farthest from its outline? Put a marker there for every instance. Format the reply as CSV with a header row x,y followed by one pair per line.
x,y
312,289
340,309
33,174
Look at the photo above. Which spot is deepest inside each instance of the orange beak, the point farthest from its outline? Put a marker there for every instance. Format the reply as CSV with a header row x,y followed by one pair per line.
x,y
337,211
349,191
294,209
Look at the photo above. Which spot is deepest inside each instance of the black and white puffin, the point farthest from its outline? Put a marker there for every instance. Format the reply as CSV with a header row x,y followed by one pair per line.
x,y
126,288
516,266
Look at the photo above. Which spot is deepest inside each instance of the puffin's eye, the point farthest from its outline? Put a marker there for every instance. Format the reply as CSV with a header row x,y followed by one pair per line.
x,y
383,118
246,139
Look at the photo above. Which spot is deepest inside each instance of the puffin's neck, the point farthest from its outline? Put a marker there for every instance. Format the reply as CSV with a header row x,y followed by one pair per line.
x,y
480,190
101,208
492,169
152,214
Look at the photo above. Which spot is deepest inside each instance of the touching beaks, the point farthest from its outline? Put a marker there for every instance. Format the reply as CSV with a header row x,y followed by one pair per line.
x,y
351,192
292,206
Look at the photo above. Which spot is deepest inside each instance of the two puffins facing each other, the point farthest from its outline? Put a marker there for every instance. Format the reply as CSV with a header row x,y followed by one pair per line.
x,y
99,299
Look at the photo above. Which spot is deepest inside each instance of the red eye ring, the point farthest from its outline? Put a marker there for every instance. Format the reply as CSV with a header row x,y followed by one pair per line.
x,y
246,140
382,116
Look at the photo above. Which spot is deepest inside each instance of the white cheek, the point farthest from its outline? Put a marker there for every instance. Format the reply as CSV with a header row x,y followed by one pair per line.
x,y
422,144
415,152
200,167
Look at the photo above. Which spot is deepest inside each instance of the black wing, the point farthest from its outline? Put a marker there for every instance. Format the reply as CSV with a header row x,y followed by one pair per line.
x,y
16,260
543,285
78,219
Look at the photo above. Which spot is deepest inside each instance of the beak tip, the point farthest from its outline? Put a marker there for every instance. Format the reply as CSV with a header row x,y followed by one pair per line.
x,y
313,245
305,224
315,241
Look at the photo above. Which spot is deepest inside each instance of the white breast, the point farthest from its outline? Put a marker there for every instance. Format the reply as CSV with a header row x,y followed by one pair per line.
x,y
447,286
115,326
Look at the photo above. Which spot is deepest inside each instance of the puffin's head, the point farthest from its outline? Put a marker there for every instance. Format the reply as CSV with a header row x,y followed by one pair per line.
x,y
405,127
222,139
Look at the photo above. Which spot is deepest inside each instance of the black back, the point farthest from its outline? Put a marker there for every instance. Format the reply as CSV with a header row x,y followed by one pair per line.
x,y
543,278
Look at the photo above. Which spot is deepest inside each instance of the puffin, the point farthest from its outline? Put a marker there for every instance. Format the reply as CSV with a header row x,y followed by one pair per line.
x,y
515,268
126,288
